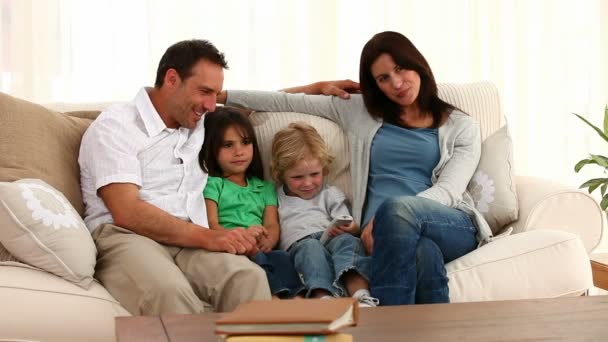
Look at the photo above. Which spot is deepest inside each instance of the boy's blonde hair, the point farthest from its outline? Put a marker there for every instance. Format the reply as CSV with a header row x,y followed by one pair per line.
x,y
294,143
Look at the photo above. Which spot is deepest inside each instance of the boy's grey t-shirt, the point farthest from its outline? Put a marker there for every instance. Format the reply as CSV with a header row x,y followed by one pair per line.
x,y
300,217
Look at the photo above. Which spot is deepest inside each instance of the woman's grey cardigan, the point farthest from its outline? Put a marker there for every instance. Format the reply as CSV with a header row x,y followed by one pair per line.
x,y
459,143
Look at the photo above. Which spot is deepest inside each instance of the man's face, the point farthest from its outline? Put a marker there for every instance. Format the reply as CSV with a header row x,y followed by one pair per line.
x,y
196,95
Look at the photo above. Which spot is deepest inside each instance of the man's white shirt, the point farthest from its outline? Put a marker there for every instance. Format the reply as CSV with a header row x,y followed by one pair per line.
x,y
129,143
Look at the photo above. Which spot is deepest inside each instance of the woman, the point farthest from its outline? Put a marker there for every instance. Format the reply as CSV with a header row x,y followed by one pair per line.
x,y
413,156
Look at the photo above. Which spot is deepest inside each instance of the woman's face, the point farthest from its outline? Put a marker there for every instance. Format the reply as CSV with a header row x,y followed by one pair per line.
x,y
399,85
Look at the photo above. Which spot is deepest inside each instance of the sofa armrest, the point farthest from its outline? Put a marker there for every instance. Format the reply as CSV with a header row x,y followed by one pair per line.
x,y
545,204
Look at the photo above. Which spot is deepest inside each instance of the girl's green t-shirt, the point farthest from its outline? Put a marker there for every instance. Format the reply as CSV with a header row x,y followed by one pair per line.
x,y
240,206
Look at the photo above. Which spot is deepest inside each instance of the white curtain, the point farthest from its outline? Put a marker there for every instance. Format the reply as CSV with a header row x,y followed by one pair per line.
x,y
548,58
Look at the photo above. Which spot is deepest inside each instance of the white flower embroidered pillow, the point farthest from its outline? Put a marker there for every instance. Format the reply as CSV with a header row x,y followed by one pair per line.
x,y
42,229
493,184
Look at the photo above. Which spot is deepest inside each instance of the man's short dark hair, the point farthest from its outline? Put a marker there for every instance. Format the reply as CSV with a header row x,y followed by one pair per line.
x,y
182,56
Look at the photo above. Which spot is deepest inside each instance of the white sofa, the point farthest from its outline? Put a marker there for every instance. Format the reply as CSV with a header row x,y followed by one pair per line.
x,y
546,256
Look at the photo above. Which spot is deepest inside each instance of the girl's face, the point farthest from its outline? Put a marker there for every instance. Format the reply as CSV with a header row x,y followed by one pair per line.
x,y
399,85
236,152
304,179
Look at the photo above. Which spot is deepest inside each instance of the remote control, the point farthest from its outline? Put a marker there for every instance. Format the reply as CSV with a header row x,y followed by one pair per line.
x,y
337,221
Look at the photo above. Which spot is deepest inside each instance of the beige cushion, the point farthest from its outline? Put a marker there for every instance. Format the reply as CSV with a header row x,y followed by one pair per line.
x,y
266,124
479,100
38,306
40,143
40,228
534,264
493,184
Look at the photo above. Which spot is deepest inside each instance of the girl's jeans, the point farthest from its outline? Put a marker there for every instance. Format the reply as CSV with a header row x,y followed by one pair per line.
x,y
321,267
413,239
283,280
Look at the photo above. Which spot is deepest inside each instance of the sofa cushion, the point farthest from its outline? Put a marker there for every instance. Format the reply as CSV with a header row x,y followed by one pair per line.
x,y
39,143
493,184
479,100
266,124
39,306
534,264
42,229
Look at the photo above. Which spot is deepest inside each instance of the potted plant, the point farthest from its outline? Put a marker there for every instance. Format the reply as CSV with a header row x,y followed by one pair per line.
x,y
597,159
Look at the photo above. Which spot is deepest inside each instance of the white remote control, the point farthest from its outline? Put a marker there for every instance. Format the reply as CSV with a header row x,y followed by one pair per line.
x,y
337,221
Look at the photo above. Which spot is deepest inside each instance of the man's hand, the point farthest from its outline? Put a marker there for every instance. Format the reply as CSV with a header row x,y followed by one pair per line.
x,y
233,241
367,237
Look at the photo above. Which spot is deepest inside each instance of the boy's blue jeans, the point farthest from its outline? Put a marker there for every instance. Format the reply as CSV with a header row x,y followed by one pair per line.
x,y
413,239
321,267
283,280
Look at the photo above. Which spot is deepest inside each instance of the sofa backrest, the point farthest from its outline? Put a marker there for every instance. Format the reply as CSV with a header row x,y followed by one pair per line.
x,y
40,143
480,100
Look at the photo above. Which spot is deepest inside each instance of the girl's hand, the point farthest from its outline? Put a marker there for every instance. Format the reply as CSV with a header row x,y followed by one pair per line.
x,y
367,237
258,232
265,245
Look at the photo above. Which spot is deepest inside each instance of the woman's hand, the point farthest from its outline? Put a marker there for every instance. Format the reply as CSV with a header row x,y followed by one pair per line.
x,y
342,88
367,237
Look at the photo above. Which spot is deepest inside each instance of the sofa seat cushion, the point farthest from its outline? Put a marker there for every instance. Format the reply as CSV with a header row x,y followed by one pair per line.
x,y
534,264
38,306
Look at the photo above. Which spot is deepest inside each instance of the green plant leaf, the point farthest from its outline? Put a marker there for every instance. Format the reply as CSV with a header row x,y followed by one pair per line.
x,y
592,184
595,186
606,120
603,189
601,160
582,163
599,131
604,203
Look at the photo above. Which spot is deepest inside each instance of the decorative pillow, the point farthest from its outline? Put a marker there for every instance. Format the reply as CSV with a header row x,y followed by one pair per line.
x,y
42,229
493,184
40,143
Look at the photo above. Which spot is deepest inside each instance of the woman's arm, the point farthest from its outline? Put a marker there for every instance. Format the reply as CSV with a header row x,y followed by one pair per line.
x,y
212,215
457,172
342,88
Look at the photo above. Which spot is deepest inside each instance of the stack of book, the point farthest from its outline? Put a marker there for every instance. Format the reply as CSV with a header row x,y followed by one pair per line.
x,y
306,320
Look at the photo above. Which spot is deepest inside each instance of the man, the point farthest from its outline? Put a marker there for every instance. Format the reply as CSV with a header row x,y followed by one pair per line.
x,y
142,187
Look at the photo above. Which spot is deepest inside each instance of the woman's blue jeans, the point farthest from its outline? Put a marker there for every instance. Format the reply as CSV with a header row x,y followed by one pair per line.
x,y
413,239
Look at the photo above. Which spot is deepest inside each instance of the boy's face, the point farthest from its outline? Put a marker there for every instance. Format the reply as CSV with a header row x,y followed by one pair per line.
x,y
304,179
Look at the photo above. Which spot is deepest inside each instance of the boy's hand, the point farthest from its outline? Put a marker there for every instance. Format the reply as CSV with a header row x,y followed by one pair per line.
x,y
351,228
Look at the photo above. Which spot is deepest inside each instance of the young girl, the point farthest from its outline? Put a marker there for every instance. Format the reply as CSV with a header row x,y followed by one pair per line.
x,y
307,207
237,197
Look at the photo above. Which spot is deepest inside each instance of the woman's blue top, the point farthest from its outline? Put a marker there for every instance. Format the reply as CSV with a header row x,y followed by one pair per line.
x,y
401,163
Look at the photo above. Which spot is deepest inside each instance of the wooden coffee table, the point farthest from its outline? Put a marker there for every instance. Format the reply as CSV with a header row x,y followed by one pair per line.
x,y
599,266
573,318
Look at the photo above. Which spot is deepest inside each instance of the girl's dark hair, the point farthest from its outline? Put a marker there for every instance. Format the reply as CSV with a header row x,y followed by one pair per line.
x,y
407,56
216,124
